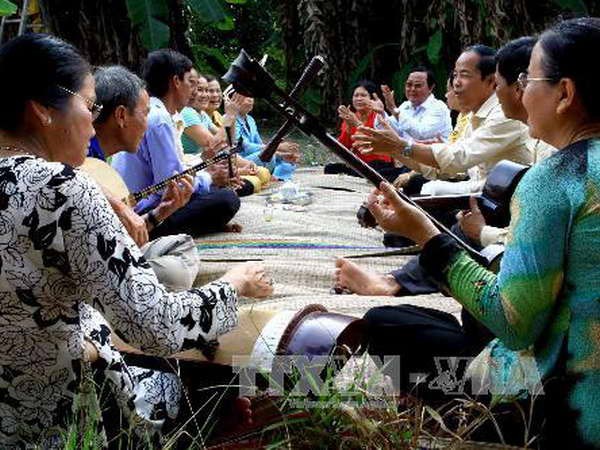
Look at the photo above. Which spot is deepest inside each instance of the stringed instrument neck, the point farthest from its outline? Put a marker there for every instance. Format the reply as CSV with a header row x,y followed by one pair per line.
x,y
133,198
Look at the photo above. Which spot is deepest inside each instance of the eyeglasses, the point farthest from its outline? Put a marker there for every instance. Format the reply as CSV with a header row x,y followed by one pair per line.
x,y
523,79
94,108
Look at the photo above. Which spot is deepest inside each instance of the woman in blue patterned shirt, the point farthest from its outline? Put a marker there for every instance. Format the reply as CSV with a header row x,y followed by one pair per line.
x,y
543,307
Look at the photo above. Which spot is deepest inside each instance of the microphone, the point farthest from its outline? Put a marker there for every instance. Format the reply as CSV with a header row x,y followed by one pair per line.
x,y
309,74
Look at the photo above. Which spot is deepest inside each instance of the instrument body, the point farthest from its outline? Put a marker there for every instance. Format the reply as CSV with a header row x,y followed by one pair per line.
x,y
494,200
261,336
251,348
107,177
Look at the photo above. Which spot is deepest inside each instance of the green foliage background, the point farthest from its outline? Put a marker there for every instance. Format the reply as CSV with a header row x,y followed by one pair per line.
x,y
379,40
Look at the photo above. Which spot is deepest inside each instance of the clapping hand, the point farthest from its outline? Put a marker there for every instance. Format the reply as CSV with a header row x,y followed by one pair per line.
x,y
384,141
388,98
348,116
233,104
376,104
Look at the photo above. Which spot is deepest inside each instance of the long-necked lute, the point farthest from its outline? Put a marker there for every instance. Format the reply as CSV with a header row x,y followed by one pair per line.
x,y
252,80
493,200
133,198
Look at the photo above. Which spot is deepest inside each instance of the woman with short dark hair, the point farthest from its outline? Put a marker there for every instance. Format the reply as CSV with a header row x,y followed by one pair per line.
x,y
63,252
543,306
360,112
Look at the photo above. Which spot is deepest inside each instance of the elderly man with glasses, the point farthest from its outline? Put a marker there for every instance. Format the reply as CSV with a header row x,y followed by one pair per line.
x,y
489,138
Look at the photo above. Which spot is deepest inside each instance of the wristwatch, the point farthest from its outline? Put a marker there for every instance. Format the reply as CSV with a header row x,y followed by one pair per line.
x,y
408,149
152,220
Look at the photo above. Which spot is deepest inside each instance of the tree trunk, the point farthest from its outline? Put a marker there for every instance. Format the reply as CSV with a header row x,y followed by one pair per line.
x,y
101,30
397,33
179,23
337,30
291,38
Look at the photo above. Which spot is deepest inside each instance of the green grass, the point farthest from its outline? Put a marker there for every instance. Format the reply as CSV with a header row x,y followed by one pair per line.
x,y
364,419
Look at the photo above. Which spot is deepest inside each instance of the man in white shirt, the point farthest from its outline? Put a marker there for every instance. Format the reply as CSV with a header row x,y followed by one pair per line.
x,y
421,117
512,59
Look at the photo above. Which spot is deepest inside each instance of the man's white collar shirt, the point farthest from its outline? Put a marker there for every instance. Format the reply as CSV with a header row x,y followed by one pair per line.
x,y
429,120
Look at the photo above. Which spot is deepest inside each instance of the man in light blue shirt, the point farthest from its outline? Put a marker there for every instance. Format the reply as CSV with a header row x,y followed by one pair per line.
x,y
421,117
170,84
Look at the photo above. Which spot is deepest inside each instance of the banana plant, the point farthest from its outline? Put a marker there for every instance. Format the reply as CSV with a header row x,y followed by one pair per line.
x,y
152,16
577,6
7,8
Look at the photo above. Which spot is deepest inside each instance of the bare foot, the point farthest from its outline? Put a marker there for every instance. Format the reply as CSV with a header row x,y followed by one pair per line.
x,y
237,420
360,281
233,228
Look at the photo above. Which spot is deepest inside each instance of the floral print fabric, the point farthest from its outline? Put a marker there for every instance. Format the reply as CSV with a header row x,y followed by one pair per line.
x,y
61,247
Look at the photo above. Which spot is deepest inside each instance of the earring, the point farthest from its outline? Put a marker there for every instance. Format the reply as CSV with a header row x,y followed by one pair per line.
x,y
48,121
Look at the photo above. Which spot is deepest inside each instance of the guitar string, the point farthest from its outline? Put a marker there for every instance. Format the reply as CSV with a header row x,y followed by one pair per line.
x,y
137,196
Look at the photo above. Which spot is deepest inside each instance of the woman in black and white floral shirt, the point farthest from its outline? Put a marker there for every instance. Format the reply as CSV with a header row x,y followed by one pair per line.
x,y
66,262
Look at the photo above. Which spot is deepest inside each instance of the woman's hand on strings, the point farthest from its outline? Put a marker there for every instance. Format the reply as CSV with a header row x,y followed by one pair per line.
x,y
384,141
247,167
289,151
471,222
403,179
222,177
252,168
219,173
396,215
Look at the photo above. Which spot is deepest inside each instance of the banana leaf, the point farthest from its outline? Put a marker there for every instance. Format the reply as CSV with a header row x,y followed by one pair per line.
x,y
7,8
151,17
577,6
208,10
